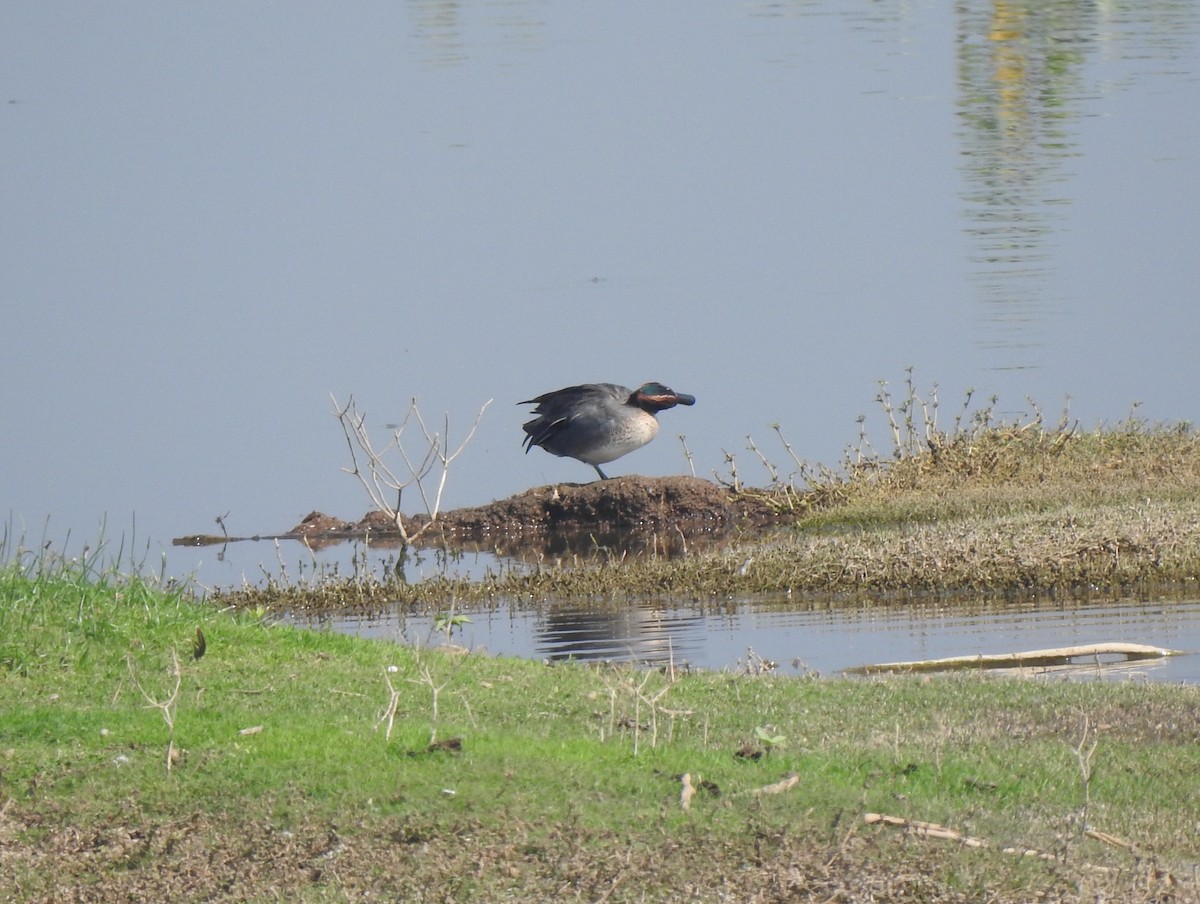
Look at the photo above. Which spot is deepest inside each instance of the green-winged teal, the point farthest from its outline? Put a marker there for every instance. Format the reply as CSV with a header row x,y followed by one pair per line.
x,y
598,422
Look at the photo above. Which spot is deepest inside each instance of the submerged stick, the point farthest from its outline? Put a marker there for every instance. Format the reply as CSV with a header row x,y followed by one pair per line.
x,y
1049,657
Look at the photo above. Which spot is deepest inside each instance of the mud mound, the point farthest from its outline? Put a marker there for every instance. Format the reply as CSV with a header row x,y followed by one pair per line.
x,y
621,512
620,503
623,503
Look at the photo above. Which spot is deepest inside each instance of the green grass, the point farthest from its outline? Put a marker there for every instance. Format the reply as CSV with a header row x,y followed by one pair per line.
x,y
567,783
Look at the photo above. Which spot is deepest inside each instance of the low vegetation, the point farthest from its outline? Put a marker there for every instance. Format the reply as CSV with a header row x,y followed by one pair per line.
x,y
153,748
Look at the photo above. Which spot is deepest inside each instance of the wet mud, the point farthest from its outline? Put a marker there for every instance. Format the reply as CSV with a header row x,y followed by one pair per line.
x,y
632,513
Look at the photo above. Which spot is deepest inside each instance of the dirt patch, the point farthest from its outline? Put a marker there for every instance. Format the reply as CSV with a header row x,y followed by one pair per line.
x,y
215,858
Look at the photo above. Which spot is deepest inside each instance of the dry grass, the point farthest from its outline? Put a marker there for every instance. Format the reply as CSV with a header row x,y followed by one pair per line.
x,y
997,510
984,464
199,858
982,507
990,506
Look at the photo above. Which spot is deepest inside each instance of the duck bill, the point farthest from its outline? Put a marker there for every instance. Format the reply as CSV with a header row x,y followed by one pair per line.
x,y
666,400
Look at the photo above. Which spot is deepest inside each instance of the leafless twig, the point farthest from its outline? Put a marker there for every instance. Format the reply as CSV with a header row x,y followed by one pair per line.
x,y
166,707
389,714
435,689
380,480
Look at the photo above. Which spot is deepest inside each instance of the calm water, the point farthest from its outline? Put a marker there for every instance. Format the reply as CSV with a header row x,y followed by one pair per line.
x,y
216,215
736,634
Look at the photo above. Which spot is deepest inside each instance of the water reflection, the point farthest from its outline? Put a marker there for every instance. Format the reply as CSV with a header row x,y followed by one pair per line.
x,y
806,637
1025,79
350,551
440,29
437,31
1019,86
642,632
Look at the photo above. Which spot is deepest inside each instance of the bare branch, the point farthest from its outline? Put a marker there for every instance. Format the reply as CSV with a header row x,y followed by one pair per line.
x,y
369,466
166,707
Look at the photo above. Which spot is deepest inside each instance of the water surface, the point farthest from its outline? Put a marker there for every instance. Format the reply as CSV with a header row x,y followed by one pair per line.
x,y
801,638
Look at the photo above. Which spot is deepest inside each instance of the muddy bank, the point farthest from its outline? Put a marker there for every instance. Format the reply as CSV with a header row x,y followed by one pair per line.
x,y
632,512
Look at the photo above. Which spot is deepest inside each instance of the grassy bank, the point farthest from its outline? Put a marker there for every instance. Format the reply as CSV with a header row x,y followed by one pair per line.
x,y
984,508
284,764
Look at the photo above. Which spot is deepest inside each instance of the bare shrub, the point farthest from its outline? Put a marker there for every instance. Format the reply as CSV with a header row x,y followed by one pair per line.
x,y
974,449
426,472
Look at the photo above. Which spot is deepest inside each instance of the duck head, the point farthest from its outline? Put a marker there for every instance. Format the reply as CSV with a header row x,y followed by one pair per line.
x,y
656,397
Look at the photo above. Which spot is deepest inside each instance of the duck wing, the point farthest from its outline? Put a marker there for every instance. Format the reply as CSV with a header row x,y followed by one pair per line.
x,y
557,409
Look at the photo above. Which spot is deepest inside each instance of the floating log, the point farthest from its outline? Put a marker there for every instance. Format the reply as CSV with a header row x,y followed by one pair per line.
x,y
1056,656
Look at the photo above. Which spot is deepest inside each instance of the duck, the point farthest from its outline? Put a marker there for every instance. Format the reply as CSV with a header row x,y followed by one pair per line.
x,y
596,423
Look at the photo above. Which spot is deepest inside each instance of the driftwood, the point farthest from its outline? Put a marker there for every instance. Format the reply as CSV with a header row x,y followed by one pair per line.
x,y
790,781
685,794
925,829
1056,656
921,829
933,830
688,788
